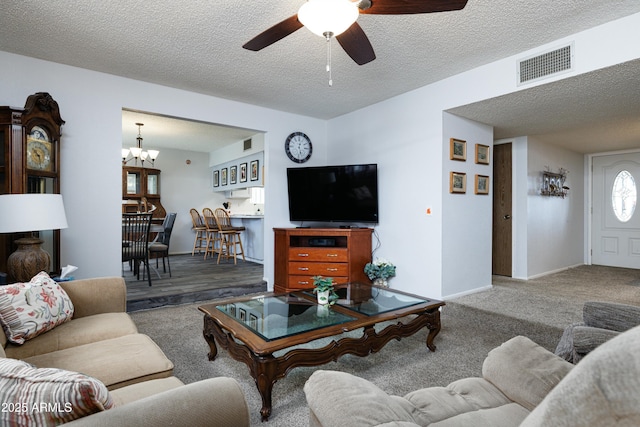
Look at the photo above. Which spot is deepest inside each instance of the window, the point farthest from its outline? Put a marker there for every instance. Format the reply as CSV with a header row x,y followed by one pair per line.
x,y
257,195
623,196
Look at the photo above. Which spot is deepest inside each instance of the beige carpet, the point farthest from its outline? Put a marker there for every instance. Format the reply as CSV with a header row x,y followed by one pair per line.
x,y
557,299
471,326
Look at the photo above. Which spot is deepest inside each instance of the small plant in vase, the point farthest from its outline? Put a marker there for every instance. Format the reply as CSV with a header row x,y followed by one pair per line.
x,y
379,271
323,288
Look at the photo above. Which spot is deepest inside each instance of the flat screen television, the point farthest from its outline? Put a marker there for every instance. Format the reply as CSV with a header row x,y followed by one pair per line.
x,y
347,193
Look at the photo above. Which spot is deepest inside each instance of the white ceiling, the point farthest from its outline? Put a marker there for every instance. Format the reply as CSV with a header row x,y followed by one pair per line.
x,y
196,45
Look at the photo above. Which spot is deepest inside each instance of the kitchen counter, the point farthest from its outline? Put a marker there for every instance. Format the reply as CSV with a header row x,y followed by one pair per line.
x,y
253,236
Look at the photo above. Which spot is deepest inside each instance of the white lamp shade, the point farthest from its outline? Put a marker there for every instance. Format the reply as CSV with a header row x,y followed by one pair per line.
x,y
153,154
136,151
125,153
31,212
332,16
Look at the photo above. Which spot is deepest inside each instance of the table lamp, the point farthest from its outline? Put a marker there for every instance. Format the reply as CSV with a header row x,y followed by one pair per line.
x,y
29,213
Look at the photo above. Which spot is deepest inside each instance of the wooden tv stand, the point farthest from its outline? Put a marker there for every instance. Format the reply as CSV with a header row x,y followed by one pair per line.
x,y
301,253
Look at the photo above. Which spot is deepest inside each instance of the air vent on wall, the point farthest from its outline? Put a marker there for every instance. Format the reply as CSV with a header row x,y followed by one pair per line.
x,y
247,144
545,65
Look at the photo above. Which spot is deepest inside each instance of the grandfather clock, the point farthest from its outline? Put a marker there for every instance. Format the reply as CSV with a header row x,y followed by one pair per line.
x,y
30,162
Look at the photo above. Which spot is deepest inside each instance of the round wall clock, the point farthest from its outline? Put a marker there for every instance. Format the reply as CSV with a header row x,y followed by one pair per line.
x,y
298,147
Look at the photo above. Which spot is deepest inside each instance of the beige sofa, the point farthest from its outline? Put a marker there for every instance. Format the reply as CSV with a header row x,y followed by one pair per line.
x,y
102,341
521,384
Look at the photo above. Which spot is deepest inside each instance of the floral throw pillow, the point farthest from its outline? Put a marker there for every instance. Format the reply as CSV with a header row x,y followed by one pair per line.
x,y
41,397
29,309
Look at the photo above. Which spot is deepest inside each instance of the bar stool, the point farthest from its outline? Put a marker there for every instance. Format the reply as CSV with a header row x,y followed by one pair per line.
x,y
213,239
200,230
230,238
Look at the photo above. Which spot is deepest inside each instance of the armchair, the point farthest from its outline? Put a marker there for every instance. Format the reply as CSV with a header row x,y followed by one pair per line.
x,y
601,321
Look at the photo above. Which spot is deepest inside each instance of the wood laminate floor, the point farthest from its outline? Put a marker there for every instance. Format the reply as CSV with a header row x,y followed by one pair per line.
x,y
192,279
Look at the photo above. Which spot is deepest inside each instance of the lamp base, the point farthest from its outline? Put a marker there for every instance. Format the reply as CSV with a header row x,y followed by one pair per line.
x,y
28,260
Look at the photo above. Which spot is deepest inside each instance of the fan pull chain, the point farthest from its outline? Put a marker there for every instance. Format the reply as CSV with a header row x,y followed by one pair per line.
x,y
328,36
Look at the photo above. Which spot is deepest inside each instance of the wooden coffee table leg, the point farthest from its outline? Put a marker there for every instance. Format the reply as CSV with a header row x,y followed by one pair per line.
x,y
433,323
213,349
265,386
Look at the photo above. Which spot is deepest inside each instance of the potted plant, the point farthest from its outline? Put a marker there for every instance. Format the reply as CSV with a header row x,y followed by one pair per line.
x,y
379,271
323,288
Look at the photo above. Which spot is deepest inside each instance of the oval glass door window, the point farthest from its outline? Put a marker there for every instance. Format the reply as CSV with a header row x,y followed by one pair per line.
x,y
623,196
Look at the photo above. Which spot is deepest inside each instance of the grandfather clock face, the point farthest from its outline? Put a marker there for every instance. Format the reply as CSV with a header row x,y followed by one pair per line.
x,y
39,149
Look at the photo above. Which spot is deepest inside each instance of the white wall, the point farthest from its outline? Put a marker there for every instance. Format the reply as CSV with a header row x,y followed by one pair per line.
x,y
91,104
182,187
405,135
555,238
467,219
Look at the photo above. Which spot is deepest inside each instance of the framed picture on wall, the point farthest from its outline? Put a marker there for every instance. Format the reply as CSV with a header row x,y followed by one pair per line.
x,y
243,172
482,184
457,149
482,154
223,176
233,174
254,170
216,178
457,182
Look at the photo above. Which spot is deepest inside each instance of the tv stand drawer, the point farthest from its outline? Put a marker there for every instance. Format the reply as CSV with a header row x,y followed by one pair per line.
x,y
301,253
319,254
306,282
326,269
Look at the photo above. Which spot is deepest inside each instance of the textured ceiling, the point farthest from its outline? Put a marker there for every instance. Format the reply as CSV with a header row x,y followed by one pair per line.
x,y
196,45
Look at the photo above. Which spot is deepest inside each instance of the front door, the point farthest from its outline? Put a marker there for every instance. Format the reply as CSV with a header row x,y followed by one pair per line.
x,y
502,247
615,222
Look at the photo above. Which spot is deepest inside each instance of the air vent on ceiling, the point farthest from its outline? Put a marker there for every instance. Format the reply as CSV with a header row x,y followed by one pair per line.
x,y
247,144
545,65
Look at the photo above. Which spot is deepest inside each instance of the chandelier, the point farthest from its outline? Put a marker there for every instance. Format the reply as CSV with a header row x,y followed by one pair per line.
x,y
137,152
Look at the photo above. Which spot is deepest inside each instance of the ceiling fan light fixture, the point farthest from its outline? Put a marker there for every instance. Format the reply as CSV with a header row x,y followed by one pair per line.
x,y
328,16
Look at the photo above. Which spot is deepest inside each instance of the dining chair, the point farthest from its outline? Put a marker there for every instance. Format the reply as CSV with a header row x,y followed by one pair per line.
x,y
230,238
200,229
212,243
135,242
160,247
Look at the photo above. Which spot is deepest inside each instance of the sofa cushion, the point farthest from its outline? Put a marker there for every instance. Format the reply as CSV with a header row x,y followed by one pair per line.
x,y
117,362
47,397
466,395
602,390
138,391
524,371
29,309
79,331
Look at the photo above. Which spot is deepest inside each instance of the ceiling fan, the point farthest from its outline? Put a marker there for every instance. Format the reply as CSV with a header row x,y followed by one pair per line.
x,y
337,18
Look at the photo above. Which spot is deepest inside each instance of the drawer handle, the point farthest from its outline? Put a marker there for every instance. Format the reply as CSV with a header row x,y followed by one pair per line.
x,y
302,282
332,269
303,254
332,255
303,268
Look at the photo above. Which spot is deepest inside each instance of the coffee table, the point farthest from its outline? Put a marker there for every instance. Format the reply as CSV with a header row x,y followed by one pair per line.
x,y
253,329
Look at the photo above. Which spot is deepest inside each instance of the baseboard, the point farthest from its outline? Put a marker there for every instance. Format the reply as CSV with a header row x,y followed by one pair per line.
x,y
472,291
546,273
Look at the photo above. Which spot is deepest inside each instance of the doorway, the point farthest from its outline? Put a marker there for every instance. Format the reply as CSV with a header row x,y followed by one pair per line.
x,y
502,204
615,222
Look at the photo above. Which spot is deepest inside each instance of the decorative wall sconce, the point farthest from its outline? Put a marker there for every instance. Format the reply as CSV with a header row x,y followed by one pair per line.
x,y
554,184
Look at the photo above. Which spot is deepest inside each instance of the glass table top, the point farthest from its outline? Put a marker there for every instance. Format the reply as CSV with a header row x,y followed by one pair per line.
x,y
372,300
280,316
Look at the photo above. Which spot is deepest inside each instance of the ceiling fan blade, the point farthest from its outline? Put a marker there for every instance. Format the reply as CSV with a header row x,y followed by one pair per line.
x,y
273,34
357,45
403,7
